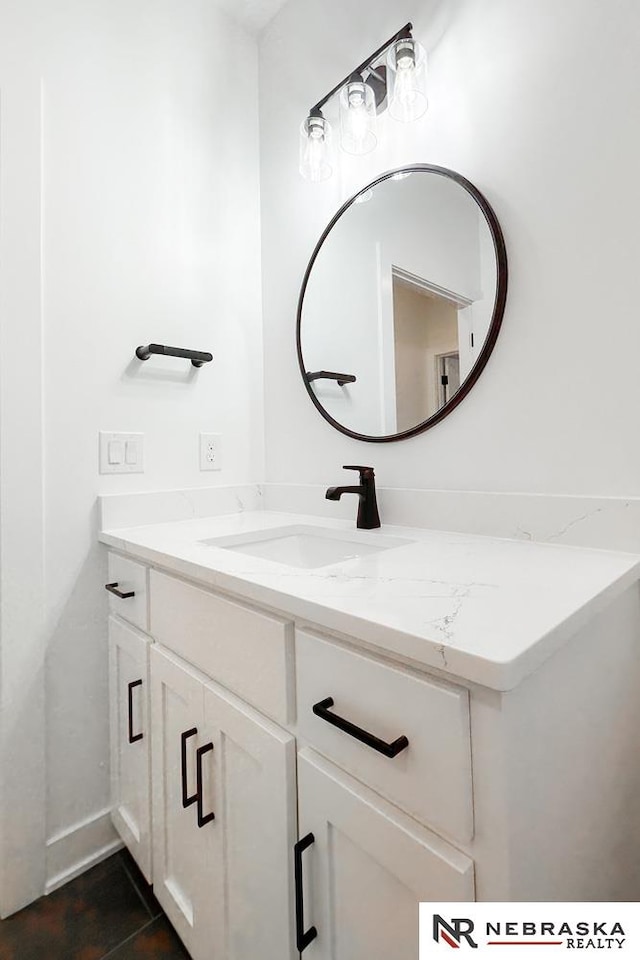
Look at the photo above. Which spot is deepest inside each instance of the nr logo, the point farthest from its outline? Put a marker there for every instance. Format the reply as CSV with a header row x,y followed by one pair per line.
x,y
454,931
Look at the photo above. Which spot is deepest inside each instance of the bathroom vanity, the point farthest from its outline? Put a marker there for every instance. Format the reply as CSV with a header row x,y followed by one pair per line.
x,y
315,728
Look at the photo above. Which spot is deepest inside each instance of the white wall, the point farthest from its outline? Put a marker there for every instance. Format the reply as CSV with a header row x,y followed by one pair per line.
x,y
534,103
150,232
22,642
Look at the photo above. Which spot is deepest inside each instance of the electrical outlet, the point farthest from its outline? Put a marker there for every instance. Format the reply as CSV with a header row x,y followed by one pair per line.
x,y
210,451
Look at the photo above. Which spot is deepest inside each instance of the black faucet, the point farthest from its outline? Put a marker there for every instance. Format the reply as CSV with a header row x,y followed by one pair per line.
x,y
368,517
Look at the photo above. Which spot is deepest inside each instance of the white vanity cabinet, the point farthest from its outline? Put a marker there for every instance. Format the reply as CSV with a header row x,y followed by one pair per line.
x,y
224,811
130,739
309,790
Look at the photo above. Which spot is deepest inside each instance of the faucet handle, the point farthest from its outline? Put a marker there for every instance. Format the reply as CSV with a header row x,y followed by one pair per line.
x,y
363,471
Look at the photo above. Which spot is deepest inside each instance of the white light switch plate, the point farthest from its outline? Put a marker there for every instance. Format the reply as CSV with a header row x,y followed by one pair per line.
x,y
210,451
121,452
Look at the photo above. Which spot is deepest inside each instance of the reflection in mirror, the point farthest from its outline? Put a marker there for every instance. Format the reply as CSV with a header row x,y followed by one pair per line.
x,y
398,303
427,350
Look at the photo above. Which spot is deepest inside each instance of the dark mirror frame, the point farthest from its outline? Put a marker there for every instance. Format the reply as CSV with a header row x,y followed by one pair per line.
x,y
496,319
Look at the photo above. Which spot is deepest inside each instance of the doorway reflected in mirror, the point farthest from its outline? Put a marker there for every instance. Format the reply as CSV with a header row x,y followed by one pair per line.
x,y
427,352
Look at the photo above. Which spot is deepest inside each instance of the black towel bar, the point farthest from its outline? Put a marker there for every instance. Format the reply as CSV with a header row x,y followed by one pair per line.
x,y
342,378
197,357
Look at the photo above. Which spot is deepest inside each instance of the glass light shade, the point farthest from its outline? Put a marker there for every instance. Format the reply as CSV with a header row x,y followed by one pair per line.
x,y
407,79
315,149
358,120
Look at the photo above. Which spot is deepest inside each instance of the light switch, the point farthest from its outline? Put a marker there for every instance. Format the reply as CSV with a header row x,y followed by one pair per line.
x,y
121,452
115,451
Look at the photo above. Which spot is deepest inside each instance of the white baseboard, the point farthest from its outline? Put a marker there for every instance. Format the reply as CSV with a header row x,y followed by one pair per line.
x,y
72,851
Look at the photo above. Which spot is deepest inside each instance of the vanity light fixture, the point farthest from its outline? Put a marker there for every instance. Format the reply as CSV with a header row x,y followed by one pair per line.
x,y
394,75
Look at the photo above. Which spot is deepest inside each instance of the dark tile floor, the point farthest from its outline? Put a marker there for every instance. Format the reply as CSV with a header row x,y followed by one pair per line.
x,y
108,912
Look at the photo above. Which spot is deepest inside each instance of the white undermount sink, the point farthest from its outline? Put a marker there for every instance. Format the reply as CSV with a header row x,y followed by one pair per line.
x,y
308,547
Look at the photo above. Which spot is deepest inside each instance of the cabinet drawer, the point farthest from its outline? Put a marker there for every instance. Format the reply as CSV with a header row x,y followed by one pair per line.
x,y
246,651
130,577
431,777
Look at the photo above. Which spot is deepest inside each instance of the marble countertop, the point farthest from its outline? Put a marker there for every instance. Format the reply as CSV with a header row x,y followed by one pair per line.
x,y
482,609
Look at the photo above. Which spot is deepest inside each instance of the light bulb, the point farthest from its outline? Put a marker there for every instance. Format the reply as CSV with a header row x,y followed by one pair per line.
x,y
406,56
314,157
315,143
405,90
358,121
357,117
407,66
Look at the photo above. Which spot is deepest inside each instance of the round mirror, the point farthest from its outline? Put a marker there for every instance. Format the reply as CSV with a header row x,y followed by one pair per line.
x,y
401,303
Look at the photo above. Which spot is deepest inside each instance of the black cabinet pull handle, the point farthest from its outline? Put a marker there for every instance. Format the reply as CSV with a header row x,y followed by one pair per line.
x,y
186,799
200,752
113,588
303,937
138,736
321,710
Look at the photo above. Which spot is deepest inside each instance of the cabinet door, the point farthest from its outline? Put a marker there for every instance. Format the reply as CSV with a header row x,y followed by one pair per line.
x,y
184,854
249,783
366,868
130,751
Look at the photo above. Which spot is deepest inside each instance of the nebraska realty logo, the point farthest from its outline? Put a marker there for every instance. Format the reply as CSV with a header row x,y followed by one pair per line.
x,y
453,932
537,926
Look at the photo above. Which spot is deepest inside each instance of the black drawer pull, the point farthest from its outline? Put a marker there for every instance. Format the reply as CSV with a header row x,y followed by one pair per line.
x,y
138,736
113,588
388,749
303,937
200,752
186,799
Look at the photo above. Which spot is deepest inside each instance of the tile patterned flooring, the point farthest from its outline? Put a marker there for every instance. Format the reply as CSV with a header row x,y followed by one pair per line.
x,y
108,913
